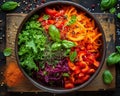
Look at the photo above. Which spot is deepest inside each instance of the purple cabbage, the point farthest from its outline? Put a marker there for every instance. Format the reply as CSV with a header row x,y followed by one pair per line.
x,y
53,74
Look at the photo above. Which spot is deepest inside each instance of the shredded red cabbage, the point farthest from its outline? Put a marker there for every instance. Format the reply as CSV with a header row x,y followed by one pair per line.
x,y
53,74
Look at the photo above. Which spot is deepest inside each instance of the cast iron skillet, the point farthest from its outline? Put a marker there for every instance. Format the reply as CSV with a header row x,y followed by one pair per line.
x,y
103,49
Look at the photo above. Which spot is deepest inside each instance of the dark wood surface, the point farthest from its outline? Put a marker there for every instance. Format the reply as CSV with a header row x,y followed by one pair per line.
x,y
108,23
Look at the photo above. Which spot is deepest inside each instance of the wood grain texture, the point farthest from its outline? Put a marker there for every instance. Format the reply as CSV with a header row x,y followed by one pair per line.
x,y
107,21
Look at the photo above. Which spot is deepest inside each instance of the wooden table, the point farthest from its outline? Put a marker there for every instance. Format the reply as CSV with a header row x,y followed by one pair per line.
x,y
107,21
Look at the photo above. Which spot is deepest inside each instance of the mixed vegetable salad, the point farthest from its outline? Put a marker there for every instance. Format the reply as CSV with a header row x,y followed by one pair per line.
x,y
60,47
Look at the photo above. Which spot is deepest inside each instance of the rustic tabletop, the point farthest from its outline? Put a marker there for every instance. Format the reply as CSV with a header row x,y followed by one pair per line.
x,y
93,6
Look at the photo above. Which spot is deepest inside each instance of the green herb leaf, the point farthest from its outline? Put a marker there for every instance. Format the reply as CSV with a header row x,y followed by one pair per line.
x,y
9,5
45,72
28,62
118,15
54,33
31,45
73,56
112,10
68,44
7,51
118,49
72,20
67,52
107,4
107,77
35,17
56,46
113,58
46,17
65,75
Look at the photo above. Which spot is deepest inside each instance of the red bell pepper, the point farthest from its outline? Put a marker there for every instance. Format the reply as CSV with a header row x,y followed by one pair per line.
x,y
69,85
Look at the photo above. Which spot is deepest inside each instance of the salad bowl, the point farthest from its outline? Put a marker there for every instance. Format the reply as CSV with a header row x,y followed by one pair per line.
x,y
60,47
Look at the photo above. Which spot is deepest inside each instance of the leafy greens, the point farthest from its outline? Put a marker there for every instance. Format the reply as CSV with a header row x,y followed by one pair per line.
x,y
31,44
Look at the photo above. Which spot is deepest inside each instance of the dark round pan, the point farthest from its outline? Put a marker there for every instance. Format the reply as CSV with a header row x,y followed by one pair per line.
x,y
103,49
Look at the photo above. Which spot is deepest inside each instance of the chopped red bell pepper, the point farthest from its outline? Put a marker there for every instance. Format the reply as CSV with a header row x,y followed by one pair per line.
x,y
69,85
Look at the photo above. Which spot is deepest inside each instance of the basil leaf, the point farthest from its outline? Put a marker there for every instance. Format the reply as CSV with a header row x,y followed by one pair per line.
x,y
107,4
112,10
56,46
54,33
9,5
107,77
113,58
7,51
73,56
68,44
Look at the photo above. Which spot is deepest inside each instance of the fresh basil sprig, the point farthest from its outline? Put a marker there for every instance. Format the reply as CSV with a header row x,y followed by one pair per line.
x,y
114,57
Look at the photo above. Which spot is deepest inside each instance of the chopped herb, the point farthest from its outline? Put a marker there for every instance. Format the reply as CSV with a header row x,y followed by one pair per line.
x,y
45,72
66,75
46,17
72,20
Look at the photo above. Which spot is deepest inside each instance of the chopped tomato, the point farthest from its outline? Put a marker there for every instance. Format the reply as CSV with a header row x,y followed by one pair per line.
x,y
51,12
44,23
59,24
60,13
40,19
51,21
